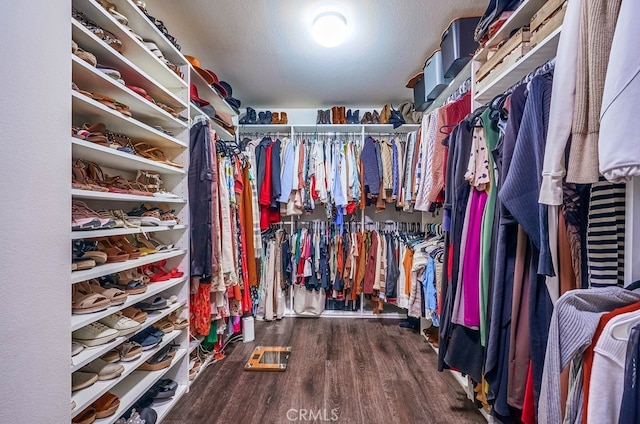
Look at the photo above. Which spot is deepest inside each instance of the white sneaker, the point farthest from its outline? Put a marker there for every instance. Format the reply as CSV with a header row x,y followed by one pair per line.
x,y
119,322
94,334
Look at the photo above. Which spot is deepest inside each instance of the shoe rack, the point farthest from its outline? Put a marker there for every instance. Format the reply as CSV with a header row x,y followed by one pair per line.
x,y
153,125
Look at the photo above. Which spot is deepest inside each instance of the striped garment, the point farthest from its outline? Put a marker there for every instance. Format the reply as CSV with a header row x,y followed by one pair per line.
x,y
605,234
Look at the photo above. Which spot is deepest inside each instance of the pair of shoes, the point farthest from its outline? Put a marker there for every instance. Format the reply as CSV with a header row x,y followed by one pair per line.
x,y
353,117
324,117
265,118
339,115
85,218
280,118
251,117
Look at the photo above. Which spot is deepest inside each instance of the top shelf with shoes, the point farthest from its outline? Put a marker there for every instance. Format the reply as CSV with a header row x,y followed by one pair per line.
x,y
132,47
519,18
144,27
264,128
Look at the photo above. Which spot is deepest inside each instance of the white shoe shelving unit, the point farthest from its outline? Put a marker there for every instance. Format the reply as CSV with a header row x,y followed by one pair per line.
x,y
153,125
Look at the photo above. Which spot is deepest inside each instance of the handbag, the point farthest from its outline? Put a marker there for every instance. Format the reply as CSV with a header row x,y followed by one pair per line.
x,y
396,118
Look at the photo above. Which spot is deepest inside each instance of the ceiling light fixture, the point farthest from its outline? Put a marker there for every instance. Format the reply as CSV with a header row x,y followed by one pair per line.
x,y
329,28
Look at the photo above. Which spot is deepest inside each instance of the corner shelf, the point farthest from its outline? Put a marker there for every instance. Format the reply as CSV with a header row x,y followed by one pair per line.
x,y
130,72
222,132
86,110
542,52
80,320
78,235
114,267
132,48
112,158
90,79
100,195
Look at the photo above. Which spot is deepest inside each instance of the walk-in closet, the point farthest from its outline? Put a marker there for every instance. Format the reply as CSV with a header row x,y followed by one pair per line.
x,y
349,211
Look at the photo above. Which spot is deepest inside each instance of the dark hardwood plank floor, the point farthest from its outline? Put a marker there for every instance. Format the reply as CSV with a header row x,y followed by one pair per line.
x,y
350,371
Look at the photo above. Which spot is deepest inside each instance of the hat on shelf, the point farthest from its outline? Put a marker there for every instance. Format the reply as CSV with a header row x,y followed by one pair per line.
x,y
224,118
232,101
193,91
209,111
195,62
216,84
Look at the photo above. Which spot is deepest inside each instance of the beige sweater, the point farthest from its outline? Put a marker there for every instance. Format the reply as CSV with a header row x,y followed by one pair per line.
x,y
597,25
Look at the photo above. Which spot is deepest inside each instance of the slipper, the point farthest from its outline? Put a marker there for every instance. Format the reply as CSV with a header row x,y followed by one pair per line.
x,y
81,380
164,325
82,264
178,322
133,286
111,357
106,405
156,304
115,295
160,360
129,351
103,369
85,417
135,314
148,338
85,301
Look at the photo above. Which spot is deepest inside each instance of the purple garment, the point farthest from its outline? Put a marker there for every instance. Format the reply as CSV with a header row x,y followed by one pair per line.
x,y
471,262
370,165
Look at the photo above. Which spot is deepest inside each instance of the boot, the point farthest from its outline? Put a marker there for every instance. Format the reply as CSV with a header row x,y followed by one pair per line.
x,y
335,115
349,117
320,118
366,118
261,118
283,118
385,114
327,117
375,117
275,118
267,118
343,115
355,117
254,117
245,119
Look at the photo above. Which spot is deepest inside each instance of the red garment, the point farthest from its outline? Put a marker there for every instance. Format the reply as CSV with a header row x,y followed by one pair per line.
x,y
200,319
528,407
267,216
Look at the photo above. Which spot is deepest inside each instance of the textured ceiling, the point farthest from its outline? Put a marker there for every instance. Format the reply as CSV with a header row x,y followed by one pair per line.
x,y
263,48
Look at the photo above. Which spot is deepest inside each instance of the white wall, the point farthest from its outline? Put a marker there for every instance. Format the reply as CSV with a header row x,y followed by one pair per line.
x,y
35,169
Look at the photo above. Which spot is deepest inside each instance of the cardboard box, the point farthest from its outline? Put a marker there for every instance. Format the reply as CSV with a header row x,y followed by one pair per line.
x,y
519,40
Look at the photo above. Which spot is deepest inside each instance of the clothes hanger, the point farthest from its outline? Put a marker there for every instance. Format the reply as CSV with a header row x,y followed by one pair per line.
x,y
621,330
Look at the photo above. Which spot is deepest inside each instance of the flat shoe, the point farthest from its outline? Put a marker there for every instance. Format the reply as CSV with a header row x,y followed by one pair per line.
x,y
103,369
81,380
106,405
85,417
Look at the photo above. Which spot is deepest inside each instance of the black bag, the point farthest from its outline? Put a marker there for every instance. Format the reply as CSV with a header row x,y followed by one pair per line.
x,y
396,118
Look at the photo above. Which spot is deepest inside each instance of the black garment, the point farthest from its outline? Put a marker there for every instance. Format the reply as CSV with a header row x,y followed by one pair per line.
x,y
460,194
275,176
393,272
261,157
630,407
286,262
200,180
501,296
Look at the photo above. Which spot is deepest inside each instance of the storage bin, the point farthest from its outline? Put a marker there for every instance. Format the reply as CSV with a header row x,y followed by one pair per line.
x,y
458,45
419,95
434,79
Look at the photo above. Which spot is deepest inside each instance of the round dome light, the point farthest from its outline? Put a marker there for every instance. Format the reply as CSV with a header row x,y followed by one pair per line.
x,y
329,29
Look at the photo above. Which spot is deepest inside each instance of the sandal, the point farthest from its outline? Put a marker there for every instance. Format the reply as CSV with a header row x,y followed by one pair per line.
x,y
153,153
164,325
122,243
85,218
159,361
154,304
105,100
129,351
111,357
85,417
80,179
106,405
115,295
94,137
135,314
114,254
179,323
174,273
87,249
85,301
148,241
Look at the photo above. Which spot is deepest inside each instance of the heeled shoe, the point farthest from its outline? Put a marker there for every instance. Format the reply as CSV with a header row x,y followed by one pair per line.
x,y
355,117
284,119
349,117
375,117
275,118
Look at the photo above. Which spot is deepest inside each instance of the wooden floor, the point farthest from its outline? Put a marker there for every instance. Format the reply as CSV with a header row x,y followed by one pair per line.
x,y
342,370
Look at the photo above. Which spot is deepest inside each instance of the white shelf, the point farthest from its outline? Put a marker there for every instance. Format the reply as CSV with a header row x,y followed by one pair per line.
x,y
388,128
112,158
77,235
163,408
91,353
114,267
130,72
223,133
144,28
80,320
264,129
89,110
87,396
457,81
328,128
520,17
207,361
90,79
542,52
132,48
131,389
101,195
205,92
